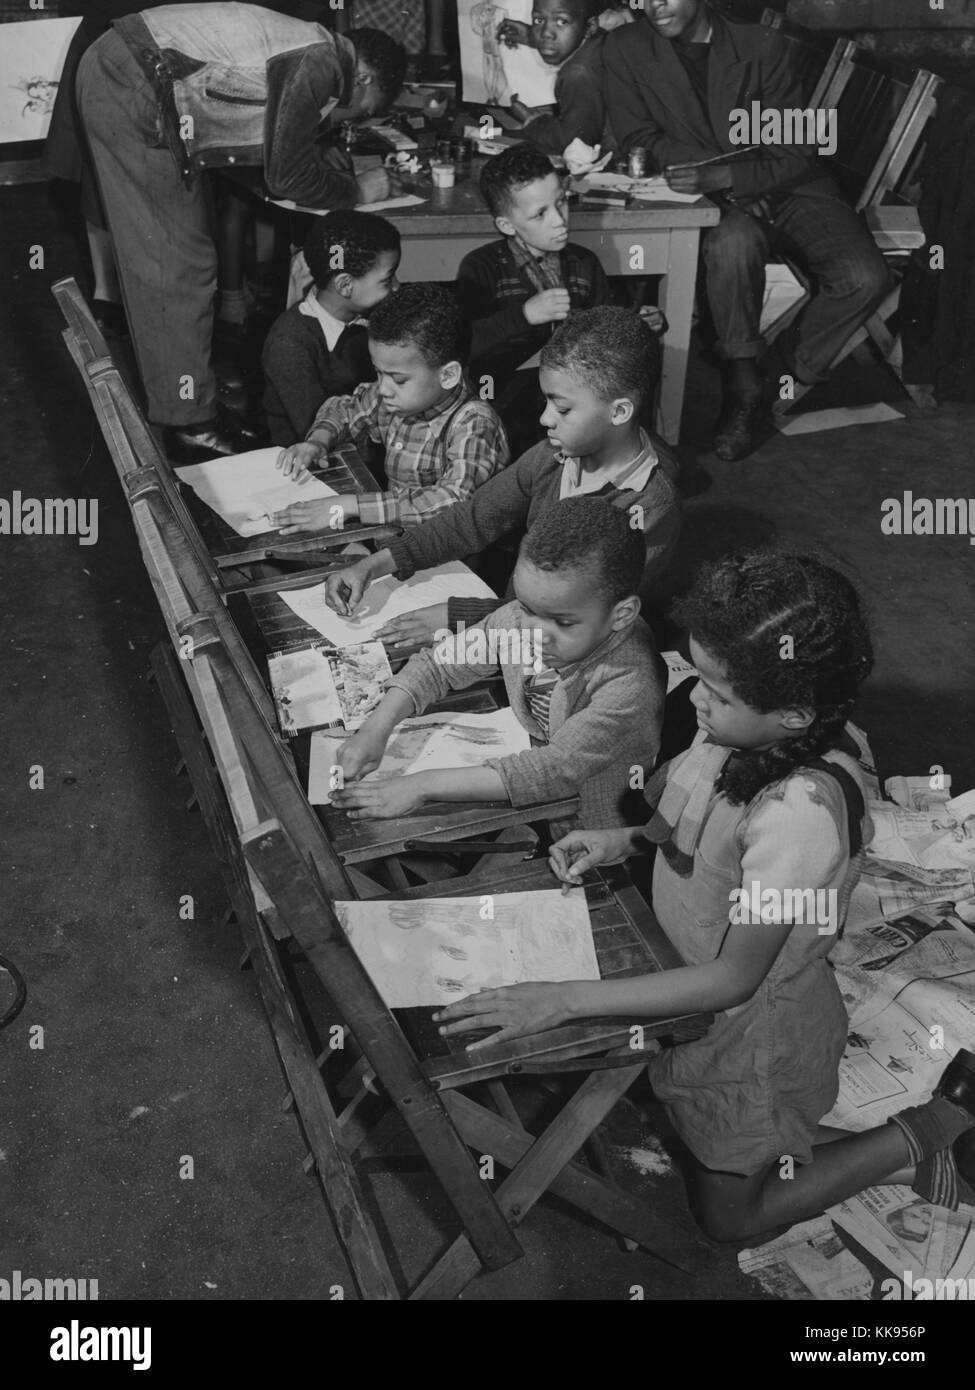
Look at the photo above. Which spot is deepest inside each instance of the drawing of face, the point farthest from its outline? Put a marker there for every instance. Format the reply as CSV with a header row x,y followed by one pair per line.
x,y
558,28
538,212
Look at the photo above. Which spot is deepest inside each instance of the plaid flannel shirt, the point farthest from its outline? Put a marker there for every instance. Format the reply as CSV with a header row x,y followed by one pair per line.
x,y
433,459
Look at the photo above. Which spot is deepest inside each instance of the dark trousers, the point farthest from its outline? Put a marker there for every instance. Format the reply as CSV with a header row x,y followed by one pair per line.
x,y
161,233
827,239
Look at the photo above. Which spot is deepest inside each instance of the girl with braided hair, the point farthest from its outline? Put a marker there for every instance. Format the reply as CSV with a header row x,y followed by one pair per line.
x,y
758,829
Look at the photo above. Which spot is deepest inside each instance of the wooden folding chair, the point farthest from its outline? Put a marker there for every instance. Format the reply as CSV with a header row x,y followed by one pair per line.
x,y
881,123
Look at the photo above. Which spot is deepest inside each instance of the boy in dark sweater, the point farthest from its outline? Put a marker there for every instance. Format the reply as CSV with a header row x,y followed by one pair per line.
x,y
318,348
514,291
594,374
566,36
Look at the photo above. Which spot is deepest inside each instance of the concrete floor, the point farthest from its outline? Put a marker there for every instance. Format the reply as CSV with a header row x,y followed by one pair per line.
x,y
155,1046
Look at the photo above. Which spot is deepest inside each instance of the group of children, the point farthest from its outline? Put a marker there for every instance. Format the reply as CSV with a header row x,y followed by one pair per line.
x,y
769,790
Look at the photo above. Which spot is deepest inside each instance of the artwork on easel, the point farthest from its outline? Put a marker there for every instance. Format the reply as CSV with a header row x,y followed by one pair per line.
x,y
492,73
32,55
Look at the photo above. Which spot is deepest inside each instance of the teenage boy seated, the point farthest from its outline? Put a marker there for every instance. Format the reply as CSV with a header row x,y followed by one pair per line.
x,y
318,348
441,443
672,80
514,291
594,374
579,666
566,36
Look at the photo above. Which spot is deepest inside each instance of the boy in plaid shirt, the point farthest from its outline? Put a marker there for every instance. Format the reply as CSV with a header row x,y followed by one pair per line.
x,y
441,443
517,290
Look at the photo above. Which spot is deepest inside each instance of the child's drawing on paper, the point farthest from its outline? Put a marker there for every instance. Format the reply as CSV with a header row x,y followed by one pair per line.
x,y
31,58
490,71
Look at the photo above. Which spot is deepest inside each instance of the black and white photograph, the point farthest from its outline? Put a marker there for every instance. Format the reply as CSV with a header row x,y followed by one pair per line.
x,y
590,386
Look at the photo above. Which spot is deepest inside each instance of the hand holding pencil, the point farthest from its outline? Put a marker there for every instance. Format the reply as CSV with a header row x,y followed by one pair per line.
x,y
580,850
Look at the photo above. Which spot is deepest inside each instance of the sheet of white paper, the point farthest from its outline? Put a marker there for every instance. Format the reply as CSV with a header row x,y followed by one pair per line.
x,y
839,418
31,58
436,950
422,744
405,200
384,600
303,689
245,489
490,71
654,189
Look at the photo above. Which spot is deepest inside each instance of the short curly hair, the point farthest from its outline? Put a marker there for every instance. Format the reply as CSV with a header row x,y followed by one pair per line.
x,y
361,237
426,316
384,56
588,533
505,173
610,350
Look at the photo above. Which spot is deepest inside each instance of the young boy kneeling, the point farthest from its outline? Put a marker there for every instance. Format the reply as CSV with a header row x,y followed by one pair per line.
x,y
579,666
441,444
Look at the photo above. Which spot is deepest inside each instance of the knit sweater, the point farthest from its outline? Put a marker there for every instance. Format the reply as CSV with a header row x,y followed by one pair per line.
x,y
492,290
301,372
604,718
511,500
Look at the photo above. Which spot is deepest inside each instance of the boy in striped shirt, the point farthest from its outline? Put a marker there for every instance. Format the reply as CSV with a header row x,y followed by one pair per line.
x,y
441,443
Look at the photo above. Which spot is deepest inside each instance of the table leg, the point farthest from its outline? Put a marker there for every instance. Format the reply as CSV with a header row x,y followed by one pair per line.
x,y
678,304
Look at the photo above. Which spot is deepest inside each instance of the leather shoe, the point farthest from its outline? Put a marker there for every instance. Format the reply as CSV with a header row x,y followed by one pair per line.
x,y
957,1082
225,437
737,434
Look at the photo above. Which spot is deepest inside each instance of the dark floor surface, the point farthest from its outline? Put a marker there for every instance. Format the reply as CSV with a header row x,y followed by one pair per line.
x,y
154,1044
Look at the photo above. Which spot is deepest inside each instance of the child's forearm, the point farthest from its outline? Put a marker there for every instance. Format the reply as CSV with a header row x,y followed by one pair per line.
x,y
690,989
395,706
462,784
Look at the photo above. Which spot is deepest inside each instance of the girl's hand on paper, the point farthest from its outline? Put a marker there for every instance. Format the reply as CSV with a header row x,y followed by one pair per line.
x,y
570,857
516,1010
296,460
305,516
344,588
415,629
382,799
684,178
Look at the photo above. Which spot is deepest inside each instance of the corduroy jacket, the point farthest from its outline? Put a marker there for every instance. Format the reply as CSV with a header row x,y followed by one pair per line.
x,y
239,84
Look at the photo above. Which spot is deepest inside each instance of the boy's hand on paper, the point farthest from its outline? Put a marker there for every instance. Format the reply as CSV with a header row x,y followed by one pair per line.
x,y
570,857
305,516
358,755
382,799
419,628
344,588
512,32
296,460
376,185
684,178
516,1009
548,306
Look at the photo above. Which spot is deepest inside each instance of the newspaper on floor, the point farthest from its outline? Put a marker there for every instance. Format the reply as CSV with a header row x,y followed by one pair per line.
x,y
918,1242
809,1262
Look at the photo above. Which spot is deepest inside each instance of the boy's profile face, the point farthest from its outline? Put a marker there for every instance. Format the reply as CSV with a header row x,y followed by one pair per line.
x,y
558,28
406,382
368,290
568,609
538,212
673,18
576,420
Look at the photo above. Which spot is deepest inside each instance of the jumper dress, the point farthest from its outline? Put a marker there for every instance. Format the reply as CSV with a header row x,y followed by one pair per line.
x,y
755,1087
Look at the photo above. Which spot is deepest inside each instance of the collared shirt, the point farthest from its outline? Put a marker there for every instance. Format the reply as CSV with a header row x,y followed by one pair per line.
x,y
332,327
433,459
544,271
539,686
577,481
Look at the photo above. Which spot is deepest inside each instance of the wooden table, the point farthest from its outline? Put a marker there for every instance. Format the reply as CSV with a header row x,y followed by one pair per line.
x,y
438,234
